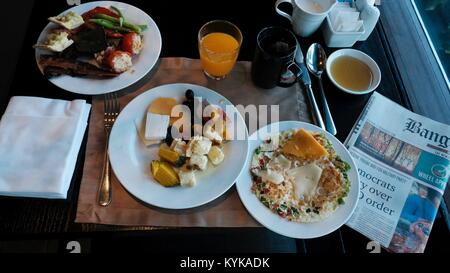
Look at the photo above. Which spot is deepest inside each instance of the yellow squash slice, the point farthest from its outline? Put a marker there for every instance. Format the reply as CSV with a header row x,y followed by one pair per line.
x,y
164,173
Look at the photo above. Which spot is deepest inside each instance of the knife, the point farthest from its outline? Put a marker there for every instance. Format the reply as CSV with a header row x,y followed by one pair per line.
x,y
306,80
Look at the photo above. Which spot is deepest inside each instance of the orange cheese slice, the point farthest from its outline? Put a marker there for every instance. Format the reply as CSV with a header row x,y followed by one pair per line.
x,y
163,106
304,146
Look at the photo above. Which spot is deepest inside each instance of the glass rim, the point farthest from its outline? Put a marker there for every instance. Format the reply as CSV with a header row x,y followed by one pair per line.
x,y
258,40
224,22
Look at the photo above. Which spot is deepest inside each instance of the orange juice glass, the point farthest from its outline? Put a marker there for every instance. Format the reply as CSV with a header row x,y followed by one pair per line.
x,y
219,43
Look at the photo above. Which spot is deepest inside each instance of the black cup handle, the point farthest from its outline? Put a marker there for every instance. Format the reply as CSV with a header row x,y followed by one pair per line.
x,y
290,75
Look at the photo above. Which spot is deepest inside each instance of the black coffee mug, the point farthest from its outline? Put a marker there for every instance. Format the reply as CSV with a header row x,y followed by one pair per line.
x,y
273,63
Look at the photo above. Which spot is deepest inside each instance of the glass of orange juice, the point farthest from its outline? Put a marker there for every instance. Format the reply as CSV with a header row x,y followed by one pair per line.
x,y
219,43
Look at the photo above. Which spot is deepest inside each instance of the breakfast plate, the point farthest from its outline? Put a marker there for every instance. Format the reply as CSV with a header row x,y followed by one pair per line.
x,y
130,158
142,63
278,222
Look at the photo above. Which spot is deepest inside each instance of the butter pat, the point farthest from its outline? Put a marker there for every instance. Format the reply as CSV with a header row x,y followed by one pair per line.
x,y
156,126
306,179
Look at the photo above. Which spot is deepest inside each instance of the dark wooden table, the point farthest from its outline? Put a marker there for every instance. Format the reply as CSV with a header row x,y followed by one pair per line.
x,y
47,225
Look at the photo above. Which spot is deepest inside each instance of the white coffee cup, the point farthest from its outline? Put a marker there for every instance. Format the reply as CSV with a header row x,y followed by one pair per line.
x,y
307,15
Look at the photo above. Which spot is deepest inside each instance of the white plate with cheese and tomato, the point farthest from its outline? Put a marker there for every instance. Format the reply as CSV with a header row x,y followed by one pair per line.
x,y
98,47
159,172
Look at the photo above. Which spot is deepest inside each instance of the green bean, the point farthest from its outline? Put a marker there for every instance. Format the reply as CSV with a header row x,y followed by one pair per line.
x,y
126,24
143,27
118,11
121,18
109,25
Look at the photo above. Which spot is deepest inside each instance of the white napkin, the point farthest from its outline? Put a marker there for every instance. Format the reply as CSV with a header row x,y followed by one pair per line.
x,y
345,18
39,144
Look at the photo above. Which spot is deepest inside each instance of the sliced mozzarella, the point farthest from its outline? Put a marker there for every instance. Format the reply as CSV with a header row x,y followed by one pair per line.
x,y
306,179
271,176
281,161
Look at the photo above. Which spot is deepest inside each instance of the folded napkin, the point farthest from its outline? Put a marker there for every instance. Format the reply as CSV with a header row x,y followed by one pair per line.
x,y
39,144
345,18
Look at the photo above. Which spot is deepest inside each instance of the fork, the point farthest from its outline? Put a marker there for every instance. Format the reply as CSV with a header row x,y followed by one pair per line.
x,y
111,111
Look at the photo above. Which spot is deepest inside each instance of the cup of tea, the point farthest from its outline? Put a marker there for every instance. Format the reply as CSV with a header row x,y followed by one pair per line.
x,y
274,60
219,43
307,15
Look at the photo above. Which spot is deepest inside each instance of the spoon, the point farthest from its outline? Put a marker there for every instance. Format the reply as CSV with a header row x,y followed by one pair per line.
x,y
316,60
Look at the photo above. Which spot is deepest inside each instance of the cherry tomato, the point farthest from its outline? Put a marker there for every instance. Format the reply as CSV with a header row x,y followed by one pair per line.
x,y
112,55
89,14
128,42
112,34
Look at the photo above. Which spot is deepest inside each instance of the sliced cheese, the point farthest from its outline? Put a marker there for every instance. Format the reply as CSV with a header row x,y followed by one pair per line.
x,y
140,128
306,179
163,106
280,161
271,176
156,126
304,146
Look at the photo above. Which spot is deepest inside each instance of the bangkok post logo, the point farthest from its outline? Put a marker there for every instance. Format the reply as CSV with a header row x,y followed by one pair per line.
x,y
439,171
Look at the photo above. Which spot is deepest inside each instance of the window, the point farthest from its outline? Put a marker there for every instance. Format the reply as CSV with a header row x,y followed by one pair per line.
x,y
434,16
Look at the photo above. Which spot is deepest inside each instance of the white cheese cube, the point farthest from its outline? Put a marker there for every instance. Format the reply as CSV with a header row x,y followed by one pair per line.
x,y
216,155
156,126
212,135
179,146
187,178
199,161
199,146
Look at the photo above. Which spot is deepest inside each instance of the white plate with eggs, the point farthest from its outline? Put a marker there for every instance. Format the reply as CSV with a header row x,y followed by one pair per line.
x,y
275,222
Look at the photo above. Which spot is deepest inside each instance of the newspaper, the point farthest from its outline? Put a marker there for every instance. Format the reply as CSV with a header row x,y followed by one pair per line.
x,y
403,163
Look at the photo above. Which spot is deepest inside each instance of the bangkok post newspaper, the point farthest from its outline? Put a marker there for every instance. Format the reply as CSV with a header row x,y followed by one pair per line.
x,y
403,163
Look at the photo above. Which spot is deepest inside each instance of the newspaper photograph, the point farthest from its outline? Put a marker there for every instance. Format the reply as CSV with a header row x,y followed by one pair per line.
x,y
404,166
